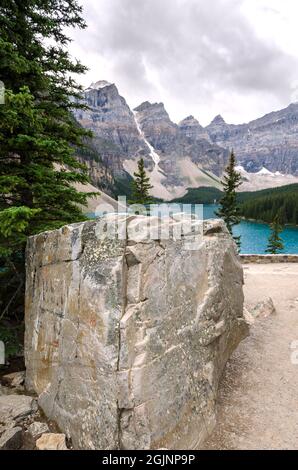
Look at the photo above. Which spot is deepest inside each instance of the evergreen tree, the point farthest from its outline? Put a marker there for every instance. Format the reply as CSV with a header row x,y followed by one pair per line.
x,y
275,243
38,134
229,210
264,205
141,186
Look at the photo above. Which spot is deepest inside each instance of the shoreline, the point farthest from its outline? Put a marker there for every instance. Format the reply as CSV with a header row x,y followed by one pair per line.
x,y
260,221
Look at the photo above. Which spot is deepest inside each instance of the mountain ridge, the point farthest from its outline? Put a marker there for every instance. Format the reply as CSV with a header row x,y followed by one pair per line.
x,y
188,155
270,141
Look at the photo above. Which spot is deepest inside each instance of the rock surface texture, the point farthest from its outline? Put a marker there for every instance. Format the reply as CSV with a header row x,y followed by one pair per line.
x,y
127,337
51,441
270,141
16,407
11,439
116,136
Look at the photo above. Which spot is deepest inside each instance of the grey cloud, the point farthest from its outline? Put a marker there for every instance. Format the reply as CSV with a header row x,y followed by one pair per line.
x,y
196,48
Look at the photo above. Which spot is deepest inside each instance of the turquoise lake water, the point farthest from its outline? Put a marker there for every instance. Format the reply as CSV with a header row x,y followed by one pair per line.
x,y
254,235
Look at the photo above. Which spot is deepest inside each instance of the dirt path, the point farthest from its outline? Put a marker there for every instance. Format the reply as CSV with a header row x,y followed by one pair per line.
x,y
258,397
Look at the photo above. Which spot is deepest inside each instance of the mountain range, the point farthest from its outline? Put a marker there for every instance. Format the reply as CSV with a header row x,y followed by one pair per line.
x,y
184,155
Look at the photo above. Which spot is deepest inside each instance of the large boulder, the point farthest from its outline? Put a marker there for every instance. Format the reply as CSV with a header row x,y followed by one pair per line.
x,y
127,336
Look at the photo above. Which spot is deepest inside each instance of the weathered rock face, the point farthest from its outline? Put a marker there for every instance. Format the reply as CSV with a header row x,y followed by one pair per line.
x,y
15,407
190,156
126,339
192,129
11,439
116,136
175,143
157,126
269,142
122,137
100,174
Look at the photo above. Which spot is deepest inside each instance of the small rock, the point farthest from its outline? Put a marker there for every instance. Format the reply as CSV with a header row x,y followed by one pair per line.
x,y
51,441
16,407
249,318
264,309
11,439
36,429
7,425
15,379
4,390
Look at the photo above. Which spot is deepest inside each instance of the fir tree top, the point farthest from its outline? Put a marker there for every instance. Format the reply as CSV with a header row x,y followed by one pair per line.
x,y
141,186
229,210
275,243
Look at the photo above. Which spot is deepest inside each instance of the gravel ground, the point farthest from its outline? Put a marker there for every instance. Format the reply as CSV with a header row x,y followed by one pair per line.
x,y
258,396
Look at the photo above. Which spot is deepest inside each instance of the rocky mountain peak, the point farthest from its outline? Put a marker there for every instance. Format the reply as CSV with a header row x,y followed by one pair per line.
x,y
104,96
189,121
99,85
153,113
269,141
153,110
143,106
217,129
185,150
218,120
111,120
123,136
192,129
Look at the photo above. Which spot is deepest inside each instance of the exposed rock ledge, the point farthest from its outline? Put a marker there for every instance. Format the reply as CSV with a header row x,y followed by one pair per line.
x,y
126,340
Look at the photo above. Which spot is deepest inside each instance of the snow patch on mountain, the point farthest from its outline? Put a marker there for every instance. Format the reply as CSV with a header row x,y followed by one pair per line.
x,y
155,157
98,85
156,176
264,171
263,179
241,170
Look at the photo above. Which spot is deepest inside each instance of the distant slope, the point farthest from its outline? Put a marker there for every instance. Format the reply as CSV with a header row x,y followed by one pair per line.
x,y
100,203
208,195
258,205
270,141
176,156
100,175
185,155
264,179
253,195
200,196
123,186
265,205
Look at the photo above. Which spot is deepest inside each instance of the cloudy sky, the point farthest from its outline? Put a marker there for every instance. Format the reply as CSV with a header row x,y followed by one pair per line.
x,y
237,58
